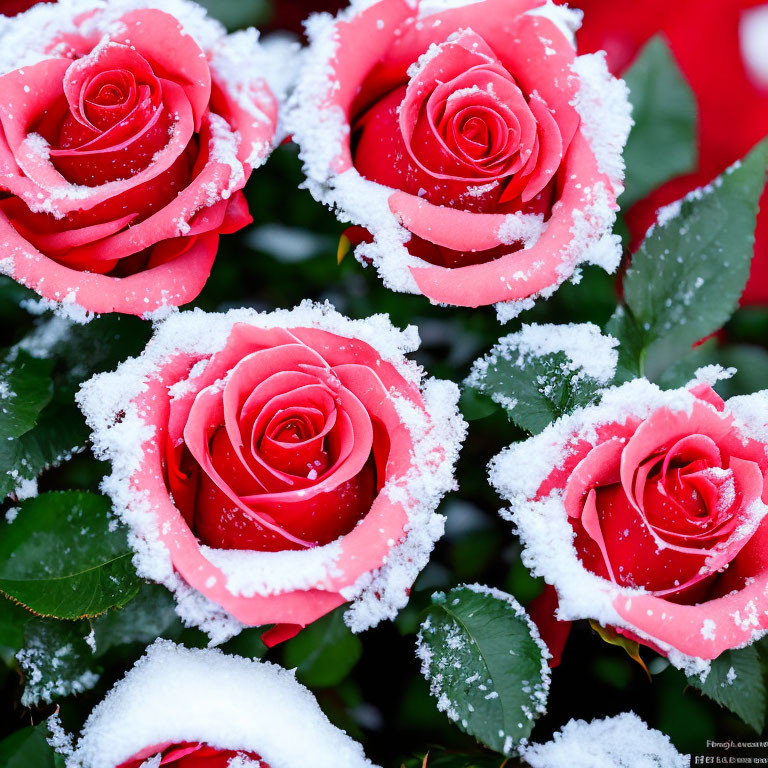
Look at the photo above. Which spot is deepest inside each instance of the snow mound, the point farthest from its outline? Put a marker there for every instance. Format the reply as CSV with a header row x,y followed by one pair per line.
x,y
174,694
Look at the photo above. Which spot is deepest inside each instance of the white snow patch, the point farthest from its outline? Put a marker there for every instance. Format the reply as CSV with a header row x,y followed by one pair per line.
x,y
174,694
606,114
624,741
753,34
567,20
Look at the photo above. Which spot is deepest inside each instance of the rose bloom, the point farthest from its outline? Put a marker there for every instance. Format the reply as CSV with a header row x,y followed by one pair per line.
x,y
192,708
288,458
662,497
126,135
694,29
480,157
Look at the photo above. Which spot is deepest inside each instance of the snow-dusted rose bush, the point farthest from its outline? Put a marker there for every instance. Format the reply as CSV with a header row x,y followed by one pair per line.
x,y
127,130
478,156
276,466
646,512
193,708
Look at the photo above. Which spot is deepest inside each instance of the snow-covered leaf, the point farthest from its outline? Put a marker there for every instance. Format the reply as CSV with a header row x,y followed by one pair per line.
x,y
736,682
25,389
687,277
151,614
56,660
325,652
664,111
28,748
486,664
63,556
545,371
60,431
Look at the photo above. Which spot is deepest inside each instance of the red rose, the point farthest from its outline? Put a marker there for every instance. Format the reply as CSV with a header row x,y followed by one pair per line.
x,y
194,708
12,7
288,458
708,40
480,155
652,519
126,136
190,755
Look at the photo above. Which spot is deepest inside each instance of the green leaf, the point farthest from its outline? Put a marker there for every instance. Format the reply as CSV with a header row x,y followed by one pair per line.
x,y
235,14
484,664
28,748
25,389
60,431
100,345
750,362
325,652
151,614
56,660
13,617
534,388
662,143
687,277
736,682
63,557
475,406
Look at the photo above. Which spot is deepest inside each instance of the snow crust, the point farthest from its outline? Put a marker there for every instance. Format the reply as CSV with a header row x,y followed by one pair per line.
x,y
753,32
567,20
547,537
437,432
174,694
321,130
606,114
623,741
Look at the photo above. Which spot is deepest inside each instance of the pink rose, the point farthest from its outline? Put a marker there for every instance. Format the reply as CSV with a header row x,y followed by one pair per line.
x,y
278,465
479,157
126,135
654,511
